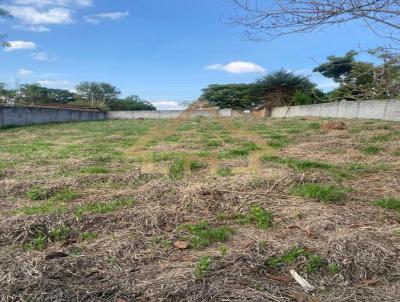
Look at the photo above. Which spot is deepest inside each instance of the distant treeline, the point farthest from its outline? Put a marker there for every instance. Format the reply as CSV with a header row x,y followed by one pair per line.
x,y
356,80
88,94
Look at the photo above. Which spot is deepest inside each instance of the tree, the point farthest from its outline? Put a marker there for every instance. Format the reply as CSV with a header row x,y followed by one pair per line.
x,y
6,95
33,93
268,19
97,92
235,96
279,88
37,94
131,103
363,80
3,14
337,68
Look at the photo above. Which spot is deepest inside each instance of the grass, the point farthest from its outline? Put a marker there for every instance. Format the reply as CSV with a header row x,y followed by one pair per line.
x,y
202,234
321,193
50,207
61,233
313,262
95,170
37,193
371,150
298,164
287,258
38,243
177,169
87,235
203,266
257,215
104,207
65,196
197,165
390,203
242,151
224,171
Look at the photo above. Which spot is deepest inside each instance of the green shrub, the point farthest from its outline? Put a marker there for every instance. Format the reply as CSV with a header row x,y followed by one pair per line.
x,y
323,193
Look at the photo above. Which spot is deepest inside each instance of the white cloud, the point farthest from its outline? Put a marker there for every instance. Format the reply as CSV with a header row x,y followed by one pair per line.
x,y
168,105
15,45
34,28
238,67
43,56
59,84
33,16
24,72
97,18
41,3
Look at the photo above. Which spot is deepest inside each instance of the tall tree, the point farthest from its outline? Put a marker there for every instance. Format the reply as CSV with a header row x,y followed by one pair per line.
x,y
279,88
3,14
97,92
235,96
37,94
131,103
268,19
363,80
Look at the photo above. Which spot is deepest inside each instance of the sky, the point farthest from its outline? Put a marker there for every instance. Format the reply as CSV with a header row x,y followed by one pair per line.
x,y
165,51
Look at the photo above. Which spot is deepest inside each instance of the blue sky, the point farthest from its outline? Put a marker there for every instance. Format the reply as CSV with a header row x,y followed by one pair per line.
x,y
162,50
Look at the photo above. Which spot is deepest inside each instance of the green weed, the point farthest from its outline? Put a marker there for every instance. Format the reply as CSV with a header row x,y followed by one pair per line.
x,y
371,150
104,207
202,234
47,208
257,215
314,263
38,243
334,268
202,267
298,164
87,235
197,165
95,170
177,169
322,193
61,233
390,203
37,193
224,171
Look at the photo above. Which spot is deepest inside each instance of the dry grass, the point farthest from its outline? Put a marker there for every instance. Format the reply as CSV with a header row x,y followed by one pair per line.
x,y
83,220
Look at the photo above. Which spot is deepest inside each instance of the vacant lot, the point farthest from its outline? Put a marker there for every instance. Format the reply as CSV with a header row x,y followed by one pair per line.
x,y
200,210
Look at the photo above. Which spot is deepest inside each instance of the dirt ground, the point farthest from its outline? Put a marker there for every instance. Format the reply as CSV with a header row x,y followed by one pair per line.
x,y
200,210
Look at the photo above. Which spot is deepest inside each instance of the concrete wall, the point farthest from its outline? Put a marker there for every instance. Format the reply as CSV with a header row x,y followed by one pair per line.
x,y
161,114
384,110
21,116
